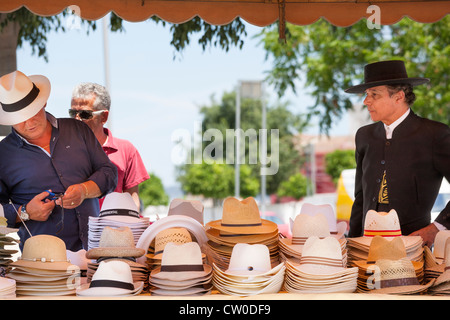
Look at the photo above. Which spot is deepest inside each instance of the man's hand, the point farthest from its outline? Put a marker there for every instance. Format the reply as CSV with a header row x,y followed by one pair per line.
x,y
40,208
428,234
73,197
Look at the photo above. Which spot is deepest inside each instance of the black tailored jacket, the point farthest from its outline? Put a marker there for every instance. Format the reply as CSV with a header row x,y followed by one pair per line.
x,y
415,159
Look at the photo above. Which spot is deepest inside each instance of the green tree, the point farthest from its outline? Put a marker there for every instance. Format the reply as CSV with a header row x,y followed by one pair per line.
x,y
337,161
296,187
221,115
216,180
152,192
330,59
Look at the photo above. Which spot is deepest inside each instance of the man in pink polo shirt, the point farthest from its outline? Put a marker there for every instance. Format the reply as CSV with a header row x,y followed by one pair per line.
x,y
90,103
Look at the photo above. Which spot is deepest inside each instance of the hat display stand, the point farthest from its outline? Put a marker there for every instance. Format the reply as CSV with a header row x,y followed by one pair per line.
x,y
386,225
117,244
241,223
43,268
249,273
118,210
321,269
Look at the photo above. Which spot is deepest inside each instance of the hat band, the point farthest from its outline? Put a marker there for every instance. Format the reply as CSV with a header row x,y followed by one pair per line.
x,y
22,103
383,233
300,241
321,261
111,284
383,77
119,212
182,267
115,258
399,282
241,225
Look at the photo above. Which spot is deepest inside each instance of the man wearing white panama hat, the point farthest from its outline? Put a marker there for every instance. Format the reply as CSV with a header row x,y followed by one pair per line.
x,y
44,153
401,158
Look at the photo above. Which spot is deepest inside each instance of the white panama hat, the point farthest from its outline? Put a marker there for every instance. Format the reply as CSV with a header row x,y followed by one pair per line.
x,y
21,96
112,278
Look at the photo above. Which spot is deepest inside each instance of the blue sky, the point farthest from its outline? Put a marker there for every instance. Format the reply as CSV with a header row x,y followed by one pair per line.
x,y
152,93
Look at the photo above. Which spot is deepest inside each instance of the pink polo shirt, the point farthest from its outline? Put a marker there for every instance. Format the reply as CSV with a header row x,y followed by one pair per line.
x,y
130,167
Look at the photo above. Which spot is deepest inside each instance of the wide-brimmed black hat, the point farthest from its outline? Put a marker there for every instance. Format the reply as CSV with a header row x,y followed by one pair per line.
x,y
385,73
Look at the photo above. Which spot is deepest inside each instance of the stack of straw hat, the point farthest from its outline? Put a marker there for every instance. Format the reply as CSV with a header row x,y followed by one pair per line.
x,y
43,269
442,284
303,227
387,225
8,245
322,269
388,270
182,272
112,279
250,272
117,244
434,259
241,223
177,235
118,210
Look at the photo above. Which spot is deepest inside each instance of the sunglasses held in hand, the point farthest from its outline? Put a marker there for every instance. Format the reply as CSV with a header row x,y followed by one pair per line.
x,y
84,114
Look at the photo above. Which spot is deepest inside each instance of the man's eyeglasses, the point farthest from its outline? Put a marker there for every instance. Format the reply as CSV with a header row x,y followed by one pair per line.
x,y
84,114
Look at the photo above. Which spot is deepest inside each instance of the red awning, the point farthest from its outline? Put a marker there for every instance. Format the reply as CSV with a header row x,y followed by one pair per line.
x,y
256,12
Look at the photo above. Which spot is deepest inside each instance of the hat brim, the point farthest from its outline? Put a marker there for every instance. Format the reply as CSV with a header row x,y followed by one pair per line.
x,y
96,253
266,226
361,88
57,266
85,291
13,118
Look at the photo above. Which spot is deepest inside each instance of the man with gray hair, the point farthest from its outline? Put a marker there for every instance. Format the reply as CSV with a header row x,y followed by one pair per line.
x,y
91,103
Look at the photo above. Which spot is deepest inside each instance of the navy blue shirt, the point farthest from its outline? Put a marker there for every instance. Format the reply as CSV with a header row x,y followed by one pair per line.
x,y
27,170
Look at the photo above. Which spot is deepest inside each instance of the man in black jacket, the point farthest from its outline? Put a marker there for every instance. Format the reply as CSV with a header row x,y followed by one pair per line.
x,y
402,158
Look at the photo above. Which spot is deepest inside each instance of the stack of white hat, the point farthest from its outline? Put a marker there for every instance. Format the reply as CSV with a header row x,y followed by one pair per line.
x,y
434,259
182,272
321,269
43,269
7,288
249,272
386,225
184,214
118,210
305,226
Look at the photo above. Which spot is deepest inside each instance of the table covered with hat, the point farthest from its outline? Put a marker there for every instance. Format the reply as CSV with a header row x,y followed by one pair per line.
x,y
240,255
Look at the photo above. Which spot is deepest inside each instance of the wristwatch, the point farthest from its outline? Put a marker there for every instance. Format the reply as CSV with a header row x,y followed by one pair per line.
x,y
23,213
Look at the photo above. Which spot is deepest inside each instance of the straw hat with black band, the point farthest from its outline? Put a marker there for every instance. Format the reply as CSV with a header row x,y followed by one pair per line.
x,y
21,96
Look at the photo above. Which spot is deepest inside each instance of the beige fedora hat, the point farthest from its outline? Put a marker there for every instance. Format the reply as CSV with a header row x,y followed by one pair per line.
x,y
242,217
44,252
116,242
21,96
